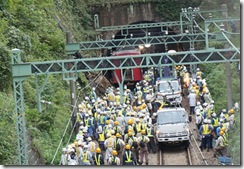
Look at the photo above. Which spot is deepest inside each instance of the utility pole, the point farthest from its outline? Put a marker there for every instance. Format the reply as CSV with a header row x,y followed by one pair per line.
x,y
72,84
227,64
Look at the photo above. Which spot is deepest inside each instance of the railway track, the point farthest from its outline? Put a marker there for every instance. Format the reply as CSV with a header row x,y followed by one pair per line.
x,y
174,156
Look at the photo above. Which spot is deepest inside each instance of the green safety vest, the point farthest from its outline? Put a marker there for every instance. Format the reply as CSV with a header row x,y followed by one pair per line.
x,y
97,159
101,119
85,157
149,134
128,157
114,160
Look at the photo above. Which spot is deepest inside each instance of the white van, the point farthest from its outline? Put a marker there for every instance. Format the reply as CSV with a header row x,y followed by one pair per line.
x,y
172,126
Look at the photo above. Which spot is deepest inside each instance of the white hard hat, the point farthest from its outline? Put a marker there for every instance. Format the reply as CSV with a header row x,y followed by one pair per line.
x,y
112,132
69,150
154,114
205,121
100,129
212,101
214,115
79,142
209,121
197,111
64,149
198,69
224,110
89,139
85,147
198,103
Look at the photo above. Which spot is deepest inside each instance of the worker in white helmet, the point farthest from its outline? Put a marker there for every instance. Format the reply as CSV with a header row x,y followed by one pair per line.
x,y
86,156
64,157
72,160
109,145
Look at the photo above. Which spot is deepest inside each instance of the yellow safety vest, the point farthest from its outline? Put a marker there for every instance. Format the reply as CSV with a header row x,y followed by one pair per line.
x,y
86,122
128,157
77,151
205,129
111,97
117,98
116,141
224,140
144,126
97,159
199,74
101,137
216,121
114,159
224,125
93,147
138,127
78,119
85,157
110,142
226,116
149,132
101,120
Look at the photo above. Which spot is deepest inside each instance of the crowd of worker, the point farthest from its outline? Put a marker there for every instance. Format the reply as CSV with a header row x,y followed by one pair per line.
x,y
118,129
115,130
212,126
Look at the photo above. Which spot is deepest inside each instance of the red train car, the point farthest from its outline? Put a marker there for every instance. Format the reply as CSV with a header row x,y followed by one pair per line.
x,y
132,75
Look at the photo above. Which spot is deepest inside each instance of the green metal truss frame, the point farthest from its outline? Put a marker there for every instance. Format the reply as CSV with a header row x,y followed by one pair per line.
x,y
19,109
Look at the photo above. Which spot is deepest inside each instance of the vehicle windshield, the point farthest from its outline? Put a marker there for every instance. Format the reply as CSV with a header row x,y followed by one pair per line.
x,y
164,87
171,117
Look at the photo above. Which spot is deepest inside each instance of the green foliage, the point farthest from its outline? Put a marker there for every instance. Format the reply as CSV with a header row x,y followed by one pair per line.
x,y
31,26
8,153
216,81
234,141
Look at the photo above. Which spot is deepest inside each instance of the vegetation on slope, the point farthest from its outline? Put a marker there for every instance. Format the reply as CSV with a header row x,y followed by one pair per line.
x,y
32,27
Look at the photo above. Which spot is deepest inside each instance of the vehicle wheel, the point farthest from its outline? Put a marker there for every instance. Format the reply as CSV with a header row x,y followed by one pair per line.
x,y
187,143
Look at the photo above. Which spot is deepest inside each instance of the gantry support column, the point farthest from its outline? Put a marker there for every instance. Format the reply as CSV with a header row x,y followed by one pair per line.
x,y
19,109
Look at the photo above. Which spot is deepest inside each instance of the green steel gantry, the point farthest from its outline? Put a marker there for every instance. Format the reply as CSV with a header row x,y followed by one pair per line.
x,y
20,70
